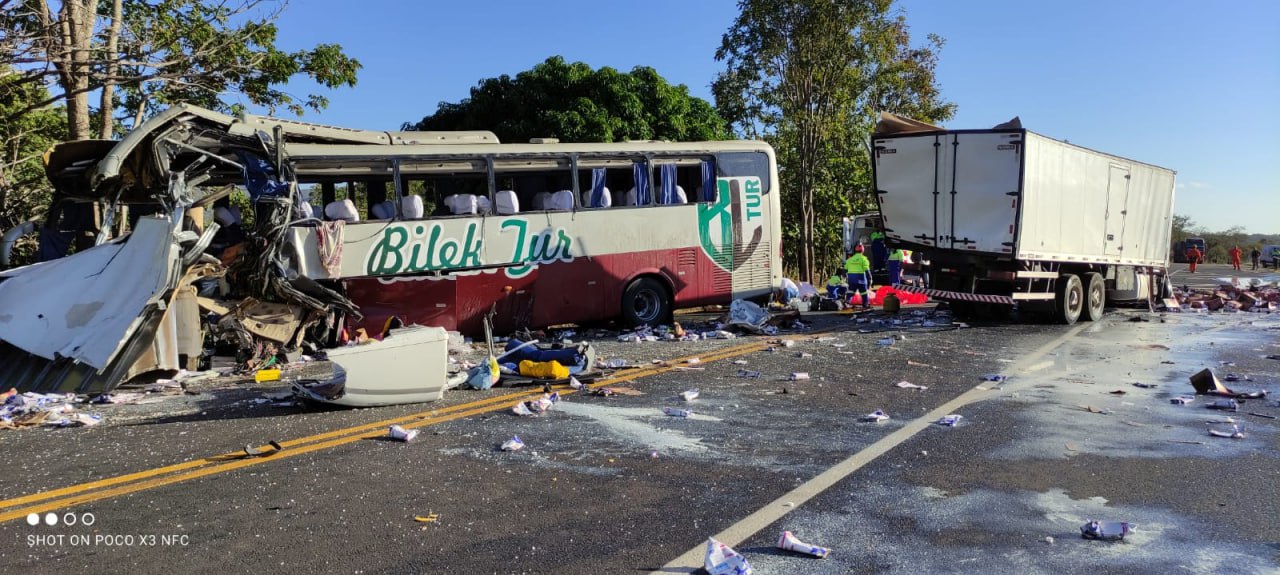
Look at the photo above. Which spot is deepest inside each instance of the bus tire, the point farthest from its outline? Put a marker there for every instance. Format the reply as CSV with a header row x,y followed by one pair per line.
x,y
1095,296
645,302
1070,299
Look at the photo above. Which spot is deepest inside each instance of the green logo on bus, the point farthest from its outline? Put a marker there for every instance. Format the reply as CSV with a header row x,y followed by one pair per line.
x,y
720,223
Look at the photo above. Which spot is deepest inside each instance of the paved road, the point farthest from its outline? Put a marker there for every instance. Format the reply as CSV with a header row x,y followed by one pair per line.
x,y
613,485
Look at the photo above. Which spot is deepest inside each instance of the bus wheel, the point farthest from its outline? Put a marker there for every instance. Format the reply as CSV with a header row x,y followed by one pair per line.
x,y
1070,299
1095,300
645,303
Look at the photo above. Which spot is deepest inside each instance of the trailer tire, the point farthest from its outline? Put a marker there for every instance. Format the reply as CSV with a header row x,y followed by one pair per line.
x,y
1070,299
1095,296
645,302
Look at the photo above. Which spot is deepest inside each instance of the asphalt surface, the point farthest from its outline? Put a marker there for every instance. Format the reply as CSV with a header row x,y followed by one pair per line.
x,y
614,485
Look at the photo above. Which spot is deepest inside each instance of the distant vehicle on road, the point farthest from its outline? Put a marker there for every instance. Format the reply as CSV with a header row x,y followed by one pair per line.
x,y
1008,216
1180,249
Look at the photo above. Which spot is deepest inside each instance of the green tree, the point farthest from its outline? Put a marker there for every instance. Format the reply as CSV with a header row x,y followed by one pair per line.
x,y
157,52
810,76
575,103
24,190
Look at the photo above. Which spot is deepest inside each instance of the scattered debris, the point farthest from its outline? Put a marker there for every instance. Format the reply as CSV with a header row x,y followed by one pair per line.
x,y
1182,399
402,434
1225,405
909,385
788,542
723,560
1146,385
513,444
1105,530
251,451
428,518
1235,433
1262,415
949,420
748,374
1117,392
677,412
799,376
689,395
876,416
995,377
884,341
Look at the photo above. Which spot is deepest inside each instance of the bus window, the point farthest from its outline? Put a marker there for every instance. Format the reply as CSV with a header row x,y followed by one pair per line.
x,y
540,184
736,164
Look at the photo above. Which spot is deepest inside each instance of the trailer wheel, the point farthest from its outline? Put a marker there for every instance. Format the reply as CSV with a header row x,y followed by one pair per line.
x,y
645,302
1095,292
1070,300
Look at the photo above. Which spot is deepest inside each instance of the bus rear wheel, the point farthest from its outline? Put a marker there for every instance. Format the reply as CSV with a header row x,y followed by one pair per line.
x,y
645,302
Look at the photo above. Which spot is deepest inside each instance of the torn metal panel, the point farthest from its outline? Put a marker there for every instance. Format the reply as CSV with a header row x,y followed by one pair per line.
x,y
408,366
86,306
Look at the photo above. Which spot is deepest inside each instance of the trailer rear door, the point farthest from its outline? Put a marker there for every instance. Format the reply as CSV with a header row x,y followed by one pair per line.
x,y
956,190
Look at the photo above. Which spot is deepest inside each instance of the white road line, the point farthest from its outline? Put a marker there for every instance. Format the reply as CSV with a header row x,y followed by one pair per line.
x,y
735,534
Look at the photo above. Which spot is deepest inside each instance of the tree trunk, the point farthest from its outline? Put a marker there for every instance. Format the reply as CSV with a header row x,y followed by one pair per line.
x,y
109,85
78,19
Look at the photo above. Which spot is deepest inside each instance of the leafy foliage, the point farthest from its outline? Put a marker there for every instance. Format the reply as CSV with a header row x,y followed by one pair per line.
x,y
575,103
810,77
23,187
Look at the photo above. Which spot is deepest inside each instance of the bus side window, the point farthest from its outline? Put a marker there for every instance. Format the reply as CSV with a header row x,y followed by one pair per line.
x,y
739,164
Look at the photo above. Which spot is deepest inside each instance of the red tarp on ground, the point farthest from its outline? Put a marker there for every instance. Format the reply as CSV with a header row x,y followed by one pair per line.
x,y
904,297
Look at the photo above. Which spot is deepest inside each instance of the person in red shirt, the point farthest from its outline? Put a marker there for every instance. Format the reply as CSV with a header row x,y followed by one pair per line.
x,y
1235,257
1193,257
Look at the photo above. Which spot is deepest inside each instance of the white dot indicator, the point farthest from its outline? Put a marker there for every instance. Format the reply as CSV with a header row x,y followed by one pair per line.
x,y
51,519
33,519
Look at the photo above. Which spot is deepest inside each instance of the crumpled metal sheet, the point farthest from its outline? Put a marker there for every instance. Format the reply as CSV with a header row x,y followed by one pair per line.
x,y
87,306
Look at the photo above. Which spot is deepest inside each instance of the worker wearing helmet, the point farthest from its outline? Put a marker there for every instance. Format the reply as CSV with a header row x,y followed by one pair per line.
x,y
858,267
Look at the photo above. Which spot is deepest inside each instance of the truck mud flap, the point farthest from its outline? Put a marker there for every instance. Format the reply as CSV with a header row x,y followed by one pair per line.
x,y
955,295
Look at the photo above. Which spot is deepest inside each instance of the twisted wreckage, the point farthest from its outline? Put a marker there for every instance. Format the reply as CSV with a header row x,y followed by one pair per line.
x,y
153,297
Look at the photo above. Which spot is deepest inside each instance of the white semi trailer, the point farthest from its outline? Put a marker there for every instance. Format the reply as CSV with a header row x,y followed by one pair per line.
x,y
1006,216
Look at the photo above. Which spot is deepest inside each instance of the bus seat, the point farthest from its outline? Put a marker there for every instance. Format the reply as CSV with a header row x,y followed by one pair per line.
x,y
681,198
305,211
483,205
464,204
606,200
412,208
540,201
631,196
561,201
342,210
383,210
506,202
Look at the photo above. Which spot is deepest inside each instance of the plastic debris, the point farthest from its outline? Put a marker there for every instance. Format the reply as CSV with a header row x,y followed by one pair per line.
x,y
804,354
677,412
876,416
723,560
1225,405
513,444
251,451
799,376
949,420
402,434
994,377
1146,385
1182,399
885,341
789,542
740,362
1235,433
428,518
693,361
1105,530
909,385
788,342
748,374
574,383
689,395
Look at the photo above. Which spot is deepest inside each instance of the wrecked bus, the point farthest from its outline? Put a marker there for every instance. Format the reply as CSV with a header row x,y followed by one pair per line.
x,y
446,228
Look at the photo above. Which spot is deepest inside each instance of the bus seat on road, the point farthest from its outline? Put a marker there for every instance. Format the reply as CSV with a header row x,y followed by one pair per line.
x,y
383,210
464,204
561,201
412,208
342,210
506,202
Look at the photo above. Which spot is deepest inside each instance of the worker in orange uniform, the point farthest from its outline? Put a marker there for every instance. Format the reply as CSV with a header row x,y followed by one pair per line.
x,y
858,268
1235,257
1193,257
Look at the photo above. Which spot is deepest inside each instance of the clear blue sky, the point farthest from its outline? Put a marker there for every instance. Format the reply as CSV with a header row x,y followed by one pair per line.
x,y
1191,86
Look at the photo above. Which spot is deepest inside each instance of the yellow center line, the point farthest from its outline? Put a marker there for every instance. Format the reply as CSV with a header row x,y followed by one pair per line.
x,y
148,479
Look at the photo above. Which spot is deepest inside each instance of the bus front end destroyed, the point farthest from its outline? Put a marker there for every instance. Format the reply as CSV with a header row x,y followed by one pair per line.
x,y
409,229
